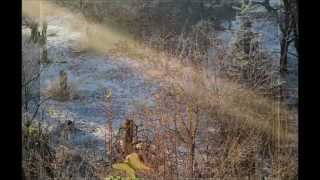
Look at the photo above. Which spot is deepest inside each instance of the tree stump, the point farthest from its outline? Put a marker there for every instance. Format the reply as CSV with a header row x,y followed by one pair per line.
x,y
63,84
128,141
43,36
68,130
34,32
44,29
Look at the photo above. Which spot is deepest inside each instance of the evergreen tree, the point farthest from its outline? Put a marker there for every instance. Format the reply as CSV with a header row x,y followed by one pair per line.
x,y
250,64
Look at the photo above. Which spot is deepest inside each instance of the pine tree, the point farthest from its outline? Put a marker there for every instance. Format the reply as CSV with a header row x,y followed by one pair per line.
x,y
241,47
249,63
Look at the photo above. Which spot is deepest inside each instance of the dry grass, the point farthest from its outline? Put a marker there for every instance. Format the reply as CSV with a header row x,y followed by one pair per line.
x,y
55,92
37,154
252,129
250,132
42,159
245,141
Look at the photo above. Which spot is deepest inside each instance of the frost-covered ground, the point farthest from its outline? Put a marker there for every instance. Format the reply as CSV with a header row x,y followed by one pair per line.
x,y
91,75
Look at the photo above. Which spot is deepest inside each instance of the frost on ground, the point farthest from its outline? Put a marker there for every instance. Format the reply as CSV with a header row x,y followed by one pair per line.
x,y
90,75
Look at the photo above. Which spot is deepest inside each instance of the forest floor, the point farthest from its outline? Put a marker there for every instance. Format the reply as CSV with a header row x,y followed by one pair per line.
x,y
90,76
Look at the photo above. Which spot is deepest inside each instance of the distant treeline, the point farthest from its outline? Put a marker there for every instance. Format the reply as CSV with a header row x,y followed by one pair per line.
x,y
143,17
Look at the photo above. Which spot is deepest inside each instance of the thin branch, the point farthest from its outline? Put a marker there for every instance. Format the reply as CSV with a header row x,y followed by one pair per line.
x,y
38,106
291,40
179,134
32,79
290,53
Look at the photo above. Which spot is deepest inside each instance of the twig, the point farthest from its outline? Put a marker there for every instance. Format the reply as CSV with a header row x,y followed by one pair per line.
x,y
38,106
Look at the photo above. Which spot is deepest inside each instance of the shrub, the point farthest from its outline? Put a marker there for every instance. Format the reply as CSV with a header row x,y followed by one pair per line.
x,y
30,73
61,89
37,154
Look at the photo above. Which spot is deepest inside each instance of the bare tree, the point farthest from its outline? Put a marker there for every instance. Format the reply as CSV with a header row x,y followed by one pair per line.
x,y
288,23
187,129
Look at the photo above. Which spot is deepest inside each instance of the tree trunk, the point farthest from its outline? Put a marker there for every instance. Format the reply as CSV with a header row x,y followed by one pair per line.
x,y
175,148
110,142
63,84
44,55
284,54
286,29
191,158
295,17
296,38
34,32
128,137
